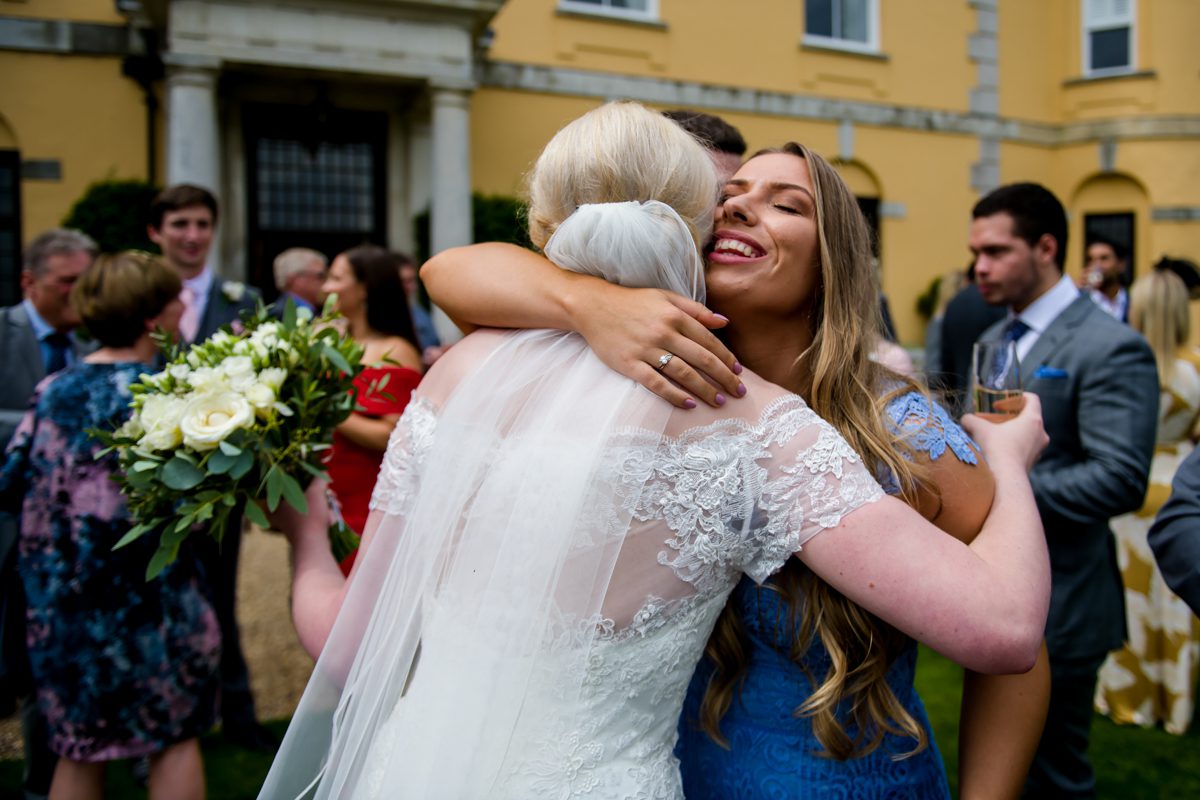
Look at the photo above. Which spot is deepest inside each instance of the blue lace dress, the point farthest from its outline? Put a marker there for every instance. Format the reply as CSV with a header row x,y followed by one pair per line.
x,y
773,753
122,667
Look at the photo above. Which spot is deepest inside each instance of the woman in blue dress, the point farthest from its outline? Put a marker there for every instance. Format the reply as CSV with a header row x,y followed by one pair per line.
x,y
122,667
813,696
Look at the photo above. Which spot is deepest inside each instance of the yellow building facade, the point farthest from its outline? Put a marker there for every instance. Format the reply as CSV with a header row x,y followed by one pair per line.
x,y
923,105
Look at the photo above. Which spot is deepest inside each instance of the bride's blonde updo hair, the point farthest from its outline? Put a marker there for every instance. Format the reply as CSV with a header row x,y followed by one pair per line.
x,y
619,152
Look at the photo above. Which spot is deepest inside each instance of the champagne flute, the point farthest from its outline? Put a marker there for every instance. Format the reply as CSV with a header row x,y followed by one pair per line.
x,y
996,380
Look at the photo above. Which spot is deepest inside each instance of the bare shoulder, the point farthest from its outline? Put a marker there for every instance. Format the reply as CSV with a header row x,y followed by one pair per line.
x,y
393,350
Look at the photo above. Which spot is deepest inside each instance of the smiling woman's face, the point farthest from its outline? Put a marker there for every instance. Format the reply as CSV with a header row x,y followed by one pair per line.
x,y
765,256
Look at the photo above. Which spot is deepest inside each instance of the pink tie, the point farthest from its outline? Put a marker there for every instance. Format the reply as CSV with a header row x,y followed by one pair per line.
x,y
189,321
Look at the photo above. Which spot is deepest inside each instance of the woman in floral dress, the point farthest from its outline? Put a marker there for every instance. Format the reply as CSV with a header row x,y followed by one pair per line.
x,y
1152,680
122,667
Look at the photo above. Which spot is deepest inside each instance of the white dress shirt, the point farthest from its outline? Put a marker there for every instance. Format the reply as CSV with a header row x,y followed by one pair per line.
x,y
1041,312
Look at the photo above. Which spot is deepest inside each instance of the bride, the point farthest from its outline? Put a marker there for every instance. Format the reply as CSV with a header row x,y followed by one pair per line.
x,y
550,544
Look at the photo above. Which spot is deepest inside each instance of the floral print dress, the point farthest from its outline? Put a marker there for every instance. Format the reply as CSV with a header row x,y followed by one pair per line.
x,y
122,667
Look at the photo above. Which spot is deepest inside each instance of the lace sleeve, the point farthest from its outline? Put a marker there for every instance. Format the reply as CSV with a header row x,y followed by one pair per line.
x,y
928,428
399,474
812,479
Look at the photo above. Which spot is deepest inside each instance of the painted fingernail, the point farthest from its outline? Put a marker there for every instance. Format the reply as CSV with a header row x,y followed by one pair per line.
x,y
721,317
737,368
741,390
689,403
719,399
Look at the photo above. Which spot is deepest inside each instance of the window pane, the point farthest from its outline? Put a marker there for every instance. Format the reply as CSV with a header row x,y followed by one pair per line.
x,y
1110,48
635,5
818,17
854,20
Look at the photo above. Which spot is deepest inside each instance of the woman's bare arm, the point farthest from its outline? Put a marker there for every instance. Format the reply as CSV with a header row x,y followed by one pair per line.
x,y
982,605
1000,726
318,586
1002,715
505,286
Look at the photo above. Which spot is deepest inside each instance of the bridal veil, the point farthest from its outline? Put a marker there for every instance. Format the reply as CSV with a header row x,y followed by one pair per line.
x,y
489,572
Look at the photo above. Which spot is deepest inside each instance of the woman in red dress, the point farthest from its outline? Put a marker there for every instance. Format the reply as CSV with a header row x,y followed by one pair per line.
x,y
371,297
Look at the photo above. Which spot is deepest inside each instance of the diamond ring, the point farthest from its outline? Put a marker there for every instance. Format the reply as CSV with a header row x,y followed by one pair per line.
x,y
664,360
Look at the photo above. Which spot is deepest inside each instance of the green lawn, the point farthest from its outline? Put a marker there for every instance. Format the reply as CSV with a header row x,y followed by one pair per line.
x,y
1131,763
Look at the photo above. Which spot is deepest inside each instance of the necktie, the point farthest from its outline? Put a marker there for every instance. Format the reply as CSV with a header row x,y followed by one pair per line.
x,y
189,321
1015,330
58,344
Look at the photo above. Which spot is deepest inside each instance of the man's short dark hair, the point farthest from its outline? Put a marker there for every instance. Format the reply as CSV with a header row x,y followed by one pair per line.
x,y
1035,212
1119,250
180,196
710,130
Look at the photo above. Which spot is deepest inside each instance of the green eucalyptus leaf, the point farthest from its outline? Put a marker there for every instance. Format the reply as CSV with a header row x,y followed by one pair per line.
x,y
221,462
181,474
229,449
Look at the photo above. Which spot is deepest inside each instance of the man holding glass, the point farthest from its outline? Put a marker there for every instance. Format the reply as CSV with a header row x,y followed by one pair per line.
x,y
1099,390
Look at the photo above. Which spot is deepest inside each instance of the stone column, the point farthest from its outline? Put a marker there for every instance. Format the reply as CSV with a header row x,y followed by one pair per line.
x,y
193,142
450,213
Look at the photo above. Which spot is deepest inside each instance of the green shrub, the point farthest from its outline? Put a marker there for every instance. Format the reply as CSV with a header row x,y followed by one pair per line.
x,y
113,212
495,218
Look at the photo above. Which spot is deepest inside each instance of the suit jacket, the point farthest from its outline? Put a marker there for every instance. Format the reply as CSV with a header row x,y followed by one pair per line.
x,y
1098,384
21,368
225,305
1175,534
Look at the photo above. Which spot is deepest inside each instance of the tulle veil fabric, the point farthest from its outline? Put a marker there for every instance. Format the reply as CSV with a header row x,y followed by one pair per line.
x,y
489,573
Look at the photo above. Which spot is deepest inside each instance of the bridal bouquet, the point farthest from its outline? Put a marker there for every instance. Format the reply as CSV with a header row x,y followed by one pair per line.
x,y
232,422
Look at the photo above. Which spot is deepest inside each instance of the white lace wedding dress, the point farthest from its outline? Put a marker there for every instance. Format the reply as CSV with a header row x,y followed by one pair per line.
x,y
555,547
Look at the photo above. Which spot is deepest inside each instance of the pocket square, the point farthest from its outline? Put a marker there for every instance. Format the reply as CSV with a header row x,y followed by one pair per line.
x,y
1050,373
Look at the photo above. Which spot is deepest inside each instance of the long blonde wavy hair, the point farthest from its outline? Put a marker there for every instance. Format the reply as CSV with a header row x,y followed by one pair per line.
x,y
847,389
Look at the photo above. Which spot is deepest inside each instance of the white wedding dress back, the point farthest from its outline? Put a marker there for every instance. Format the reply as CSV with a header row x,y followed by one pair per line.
x,y
554,548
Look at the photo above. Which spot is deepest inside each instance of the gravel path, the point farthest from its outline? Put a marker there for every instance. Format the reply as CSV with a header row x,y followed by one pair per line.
x,y
279,667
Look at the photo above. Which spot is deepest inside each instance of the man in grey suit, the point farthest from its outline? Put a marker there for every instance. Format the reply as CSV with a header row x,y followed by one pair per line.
x,y
1175,535
36,339
1099,390
183,222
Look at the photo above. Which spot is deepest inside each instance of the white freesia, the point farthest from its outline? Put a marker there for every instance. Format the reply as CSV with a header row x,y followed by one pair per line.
x,y
262,397
209,379
273,377
210,417
179,372
222,338
159,419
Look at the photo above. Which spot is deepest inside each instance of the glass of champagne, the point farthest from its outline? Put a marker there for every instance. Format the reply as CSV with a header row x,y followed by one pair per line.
x,y
996,380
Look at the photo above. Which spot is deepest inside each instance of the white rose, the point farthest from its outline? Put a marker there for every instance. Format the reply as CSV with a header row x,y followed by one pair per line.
x,y
262,397
208,379
210,417
273,377
159,419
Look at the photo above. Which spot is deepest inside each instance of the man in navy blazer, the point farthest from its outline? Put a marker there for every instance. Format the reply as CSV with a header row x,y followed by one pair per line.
x,y
183,222
1098,385
36,338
